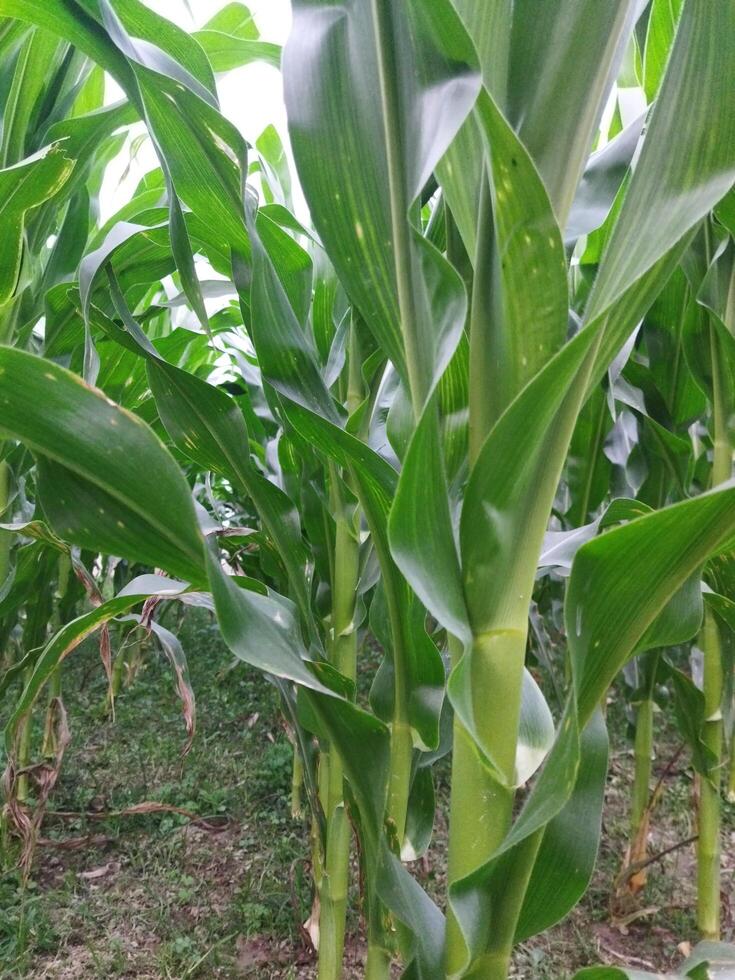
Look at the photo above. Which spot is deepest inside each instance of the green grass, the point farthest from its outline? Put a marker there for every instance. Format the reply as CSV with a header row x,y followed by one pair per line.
x,y
174,900
171,891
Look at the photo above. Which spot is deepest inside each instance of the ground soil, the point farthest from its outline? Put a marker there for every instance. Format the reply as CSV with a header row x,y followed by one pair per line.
x,y
222,890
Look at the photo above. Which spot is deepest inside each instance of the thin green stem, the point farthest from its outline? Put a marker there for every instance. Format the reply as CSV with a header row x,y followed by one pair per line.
x,y
355,385
49,730
644,746
64,567
594,453
401,743
643,754
377,964
416,355
722,455
7,324
4,538
708,844
24,745
117,674
334,881
297,784
482,373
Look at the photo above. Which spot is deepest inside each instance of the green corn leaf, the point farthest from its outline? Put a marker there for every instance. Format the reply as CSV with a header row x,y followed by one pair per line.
x,y
568,850
519,303
115,459
550,78
601,181
227,51
66,640
311,410
70,243
414,654
535,731
694,180
354,73
286,354
236,19
274,160
636,568
489,525
203,153
421,533
167,76
420,814
558,80
708,961
94,262
22,187
152,42
32,69
719,958
261,630
609,610
689,713
76,25
544,402
207,425
112,482
625,298
662,23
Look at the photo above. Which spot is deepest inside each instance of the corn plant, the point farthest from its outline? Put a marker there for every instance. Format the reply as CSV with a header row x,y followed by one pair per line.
x,y
482,255
49,88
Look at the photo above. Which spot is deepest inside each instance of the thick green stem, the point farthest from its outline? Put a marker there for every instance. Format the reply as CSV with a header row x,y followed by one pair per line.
x,y
731,776
401,755
481,809
494,963
481,806
708,845
471,841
